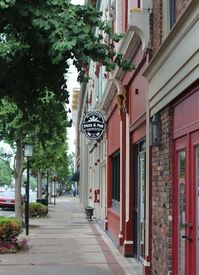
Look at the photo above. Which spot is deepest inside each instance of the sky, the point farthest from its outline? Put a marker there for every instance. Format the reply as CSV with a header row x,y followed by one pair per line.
x,y
72,83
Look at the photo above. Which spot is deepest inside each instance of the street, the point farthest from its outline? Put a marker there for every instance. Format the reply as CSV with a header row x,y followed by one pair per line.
x,y
7,213
11,213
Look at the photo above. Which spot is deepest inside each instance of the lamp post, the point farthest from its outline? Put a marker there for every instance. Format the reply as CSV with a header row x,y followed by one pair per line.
x,y
28,152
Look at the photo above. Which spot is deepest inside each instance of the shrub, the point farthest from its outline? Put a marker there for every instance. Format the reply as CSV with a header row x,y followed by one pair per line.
x,y
37,209
9,228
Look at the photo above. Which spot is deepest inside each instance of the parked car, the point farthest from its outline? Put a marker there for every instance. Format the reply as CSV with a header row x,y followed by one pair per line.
x,y
7,199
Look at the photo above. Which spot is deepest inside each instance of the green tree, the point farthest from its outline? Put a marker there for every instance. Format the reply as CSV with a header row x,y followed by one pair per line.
x,y
46,126
37,39
6,173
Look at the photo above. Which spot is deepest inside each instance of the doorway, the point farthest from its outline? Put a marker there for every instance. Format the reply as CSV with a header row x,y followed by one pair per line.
x,y
139,199
186,205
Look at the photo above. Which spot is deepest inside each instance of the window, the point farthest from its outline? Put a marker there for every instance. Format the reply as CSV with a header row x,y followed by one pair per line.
x,y
116,181
172,13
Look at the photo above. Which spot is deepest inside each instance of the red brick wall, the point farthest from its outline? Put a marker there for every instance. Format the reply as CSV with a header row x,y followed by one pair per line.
x,y
180,7
162,198
156,28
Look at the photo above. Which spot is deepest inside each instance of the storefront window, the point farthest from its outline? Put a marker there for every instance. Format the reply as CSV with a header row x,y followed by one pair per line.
x,y
116,181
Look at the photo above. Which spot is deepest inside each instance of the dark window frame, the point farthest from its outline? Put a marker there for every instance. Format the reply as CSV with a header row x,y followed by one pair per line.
x,y
116,181
172,13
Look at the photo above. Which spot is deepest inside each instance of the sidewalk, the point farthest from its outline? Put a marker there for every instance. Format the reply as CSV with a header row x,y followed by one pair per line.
x,y
66,243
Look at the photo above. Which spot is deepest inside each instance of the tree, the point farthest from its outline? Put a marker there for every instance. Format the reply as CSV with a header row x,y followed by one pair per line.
x,y
37,38
47,125
6,173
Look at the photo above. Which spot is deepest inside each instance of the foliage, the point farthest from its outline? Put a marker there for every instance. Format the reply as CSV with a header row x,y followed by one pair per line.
x,y
13,245
6,174
9,228
46,129
37,209
37,40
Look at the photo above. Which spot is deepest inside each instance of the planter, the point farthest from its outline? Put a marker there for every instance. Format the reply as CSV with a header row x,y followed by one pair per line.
x,y
89,212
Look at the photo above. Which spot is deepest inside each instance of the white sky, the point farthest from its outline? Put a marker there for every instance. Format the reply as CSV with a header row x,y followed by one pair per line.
x,y
72,83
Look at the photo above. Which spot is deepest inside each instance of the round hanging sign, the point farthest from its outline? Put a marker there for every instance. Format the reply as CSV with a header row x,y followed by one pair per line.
x,y
93,125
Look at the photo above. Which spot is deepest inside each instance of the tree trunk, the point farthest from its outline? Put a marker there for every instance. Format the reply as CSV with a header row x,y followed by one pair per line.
x,y
39,187
18,177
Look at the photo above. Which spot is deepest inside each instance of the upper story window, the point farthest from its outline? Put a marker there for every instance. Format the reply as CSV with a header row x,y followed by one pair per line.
x,y
172,12
116,181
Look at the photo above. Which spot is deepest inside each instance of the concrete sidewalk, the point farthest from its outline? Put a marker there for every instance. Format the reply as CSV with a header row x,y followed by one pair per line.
x,y
66,243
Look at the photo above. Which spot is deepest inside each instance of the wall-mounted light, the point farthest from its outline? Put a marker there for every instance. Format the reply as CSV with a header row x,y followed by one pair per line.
x,y
155,129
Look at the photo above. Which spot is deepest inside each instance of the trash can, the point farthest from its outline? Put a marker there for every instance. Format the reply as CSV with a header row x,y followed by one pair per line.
x,y
43,201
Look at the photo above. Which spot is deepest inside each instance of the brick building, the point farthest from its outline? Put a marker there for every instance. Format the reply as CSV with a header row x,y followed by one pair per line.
x,y
142,177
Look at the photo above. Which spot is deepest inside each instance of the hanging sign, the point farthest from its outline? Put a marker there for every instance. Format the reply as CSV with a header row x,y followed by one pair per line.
x,y
93,125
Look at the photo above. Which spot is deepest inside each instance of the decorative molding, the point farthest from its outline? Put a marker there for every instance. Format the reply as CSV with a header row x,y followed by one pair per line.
x,y
121,101
128,242
128,47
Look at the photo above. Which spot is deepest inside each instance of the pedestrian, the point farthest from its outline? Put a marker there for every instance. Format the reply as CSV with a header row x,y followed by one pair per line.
x,y
73,190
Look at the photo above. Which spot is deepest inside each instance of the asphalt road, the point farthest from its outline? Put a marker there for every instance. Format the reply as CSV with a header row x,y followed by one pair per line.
x,y
7,213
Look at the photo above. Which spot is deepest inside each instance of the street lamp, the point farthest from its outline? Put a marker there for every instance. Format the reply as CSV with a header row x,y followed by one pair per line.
x,y
28,152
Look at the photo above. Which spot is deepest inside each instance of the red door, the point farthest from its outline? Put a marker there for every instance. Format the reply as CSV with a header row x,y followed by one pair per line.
x,y
186,205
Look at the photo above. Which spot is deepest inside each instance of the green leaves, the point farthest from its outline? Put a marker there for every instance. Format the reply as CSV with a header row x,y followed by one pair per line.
x,y
39,37
4,4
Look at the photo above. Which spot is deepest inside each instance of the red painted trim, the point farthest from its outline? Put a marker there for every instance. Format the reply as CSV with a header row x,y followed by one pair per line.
x,y
193,195
112,262
129,77
109,180
132,190
149,257
139,133
184,131
178,145
137,123
123,183
128,249
188,92
124,15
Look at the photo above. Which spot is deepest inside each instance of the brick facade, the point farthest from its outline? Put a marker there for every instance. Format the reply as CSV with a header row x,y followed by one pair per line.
x,y
162,198
180,7
156,29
